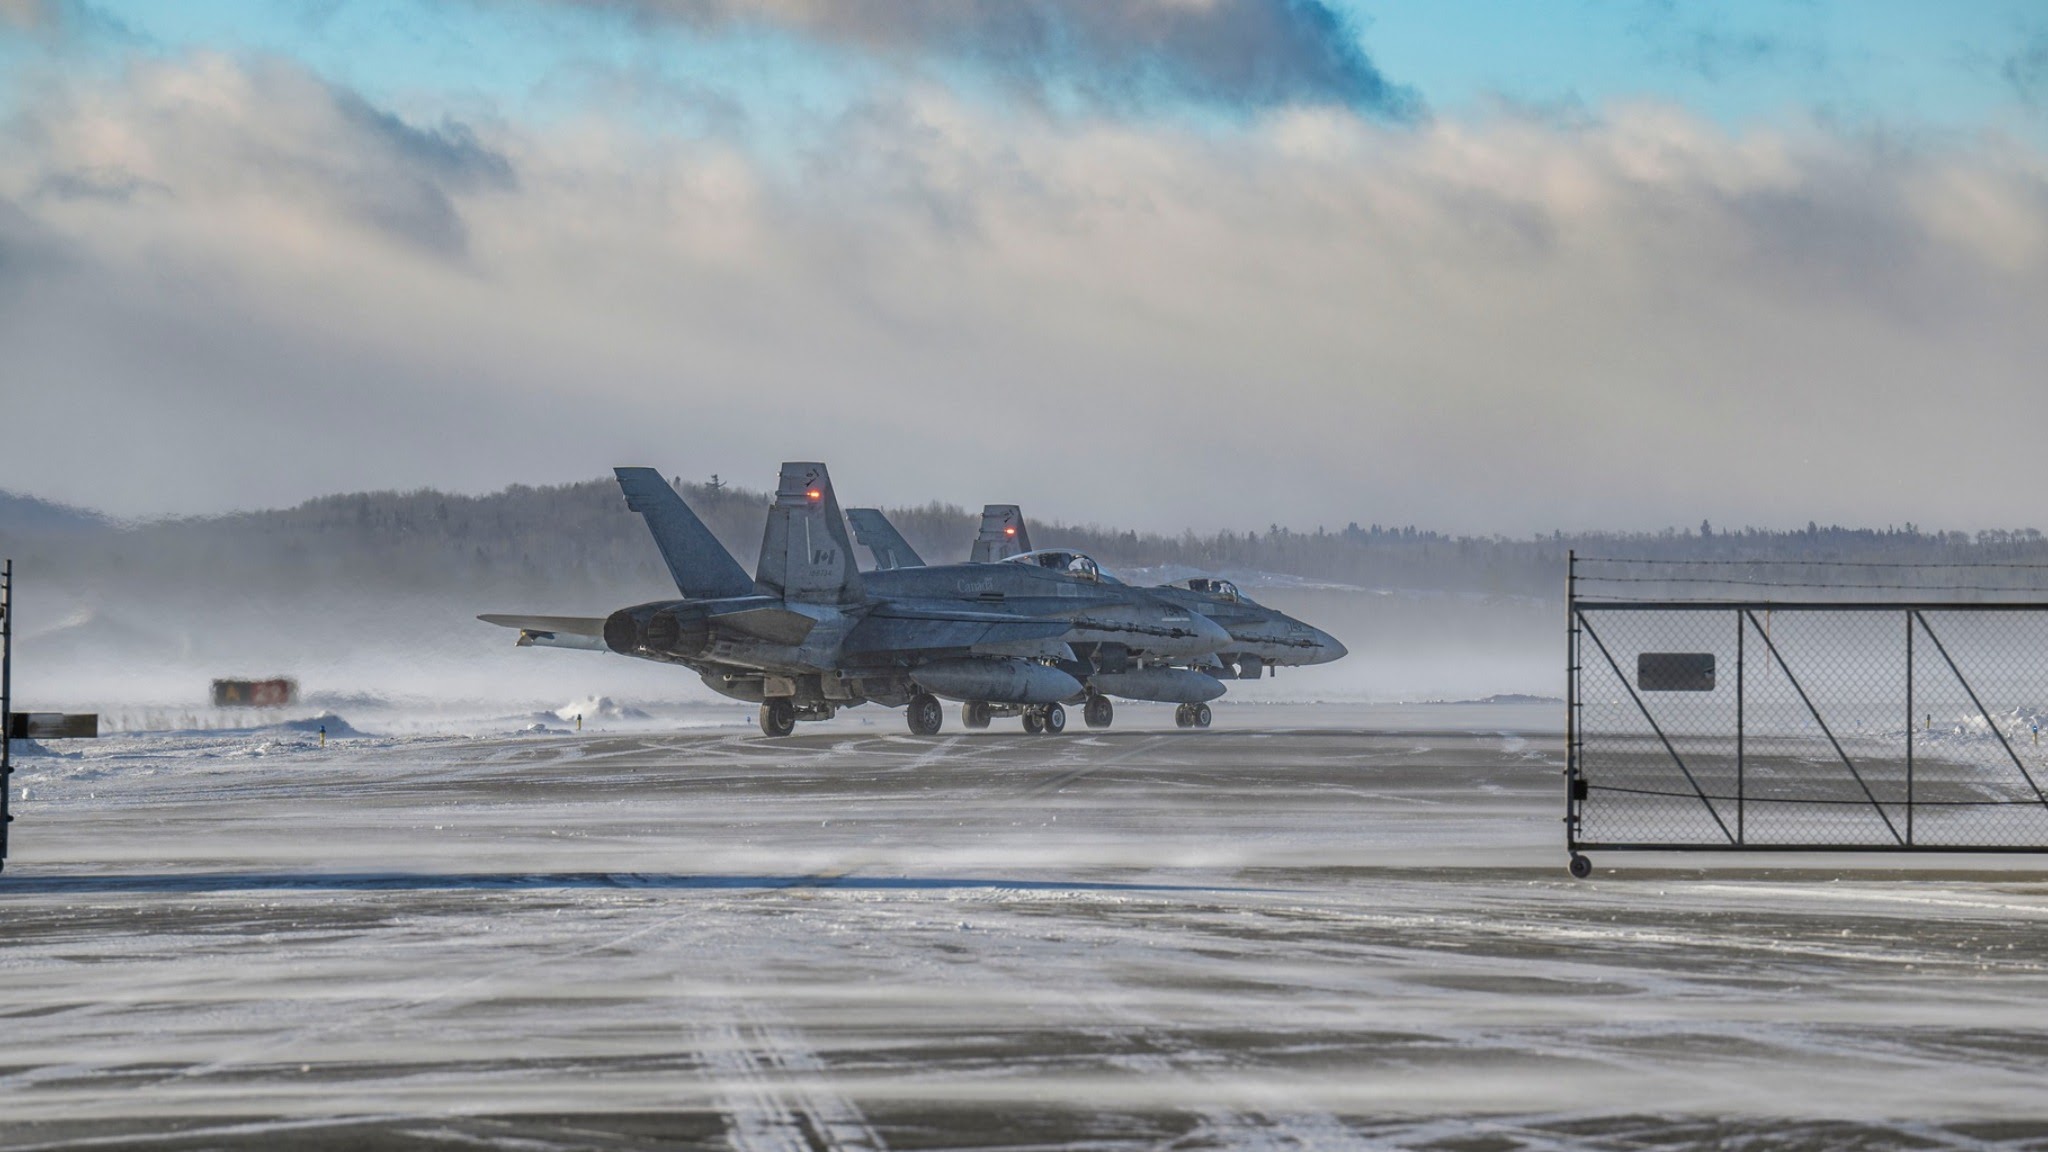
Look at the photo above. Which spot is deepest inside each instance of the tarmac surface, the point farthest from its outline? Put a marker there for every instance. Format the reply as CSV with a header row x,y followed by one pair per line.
x,y
1338,927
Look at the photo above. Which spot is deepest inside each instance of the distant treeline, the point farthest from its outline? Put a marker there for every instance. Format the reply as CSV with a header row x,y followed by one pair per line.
x,y
579,540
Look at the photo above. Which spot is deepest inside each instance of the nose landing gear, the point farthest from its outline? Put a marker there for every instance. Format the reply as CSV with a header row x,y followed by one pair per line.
x,y
1050,719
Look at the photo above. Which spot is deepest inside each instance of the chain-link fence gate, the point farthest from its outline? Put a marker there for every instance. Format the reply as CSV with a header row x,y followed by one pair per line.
x,y
1806,726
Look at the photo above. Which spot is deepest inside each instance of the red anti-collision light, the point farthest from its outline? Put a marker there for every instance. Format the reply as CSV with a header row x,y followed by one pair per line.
x,y
815,494
1009,531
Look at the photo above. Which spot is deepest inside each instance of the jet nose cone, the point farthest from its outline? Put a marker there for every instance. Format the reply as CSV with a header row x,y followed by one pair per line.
x,y
1208,632
1327,648
1193,634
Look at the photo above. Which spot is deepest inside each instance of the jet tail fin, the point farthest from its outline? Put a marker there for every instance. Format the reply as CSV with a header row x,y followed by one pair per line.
x,y
1003,534
805,553
873,530
702,568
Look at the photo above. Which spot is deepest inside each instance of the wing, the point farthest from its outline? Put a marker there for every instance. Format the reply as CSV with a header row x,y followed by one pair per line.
x,y
554,631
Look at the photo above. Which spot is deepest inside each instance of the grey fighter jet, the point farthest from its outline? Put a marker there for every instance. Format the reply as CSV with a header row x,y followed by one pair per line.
x,y
1133,671
1260,637
810,634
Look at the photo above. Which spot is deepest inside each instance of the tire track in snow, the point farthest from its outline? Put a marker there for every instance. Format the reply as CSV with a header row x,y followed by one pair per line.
x,y
250,1054
1251,1131
775,1091
1221,1126
1055,784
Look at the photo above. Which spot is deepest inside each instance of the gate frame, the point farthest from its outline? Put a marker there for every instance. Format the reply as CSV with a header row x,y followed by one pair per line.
x,y
6,701
1577,786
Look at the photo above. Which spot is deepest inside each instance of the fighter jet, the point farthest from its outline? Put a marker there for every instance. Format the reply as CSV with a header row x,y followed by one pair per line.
x,y
1132,671
809,634
1260,637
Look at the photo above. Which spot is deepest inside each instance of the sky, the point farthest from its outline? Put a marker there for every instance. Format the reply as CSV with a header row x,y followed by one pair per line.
x,y
1480,266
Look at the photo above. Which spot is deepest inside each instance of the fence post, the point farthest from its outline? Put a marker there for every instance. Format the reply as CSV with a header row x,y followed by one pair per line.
x,y
1571,699
1741,777
1909,728
6,701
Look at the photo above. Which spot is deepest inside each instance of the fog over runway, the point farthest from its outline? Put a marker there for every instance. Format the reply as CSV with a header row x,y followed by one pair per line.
x,y
1329,927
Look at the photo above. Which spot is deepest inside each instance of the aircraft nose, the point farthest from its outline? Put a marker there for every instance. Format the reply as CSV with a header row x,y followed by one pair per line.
x,y
1328,648
1199,635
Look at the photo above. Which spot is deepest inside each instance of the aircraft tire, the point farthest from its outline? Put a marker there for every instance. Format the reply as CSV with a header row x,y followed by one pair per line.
x,y
1183,717
1202,715
926,715
1054,721
1098,712
778,717
974,714
1033,722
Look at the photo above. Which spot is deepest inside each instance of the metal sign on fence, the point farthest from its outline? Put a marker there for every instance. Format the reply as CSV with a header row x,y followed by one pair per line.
x,y
1805,726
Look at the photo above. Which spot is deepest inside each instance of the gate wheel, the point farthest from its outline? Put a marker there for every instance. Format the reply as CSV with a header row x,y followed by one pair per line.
x,y
1580,867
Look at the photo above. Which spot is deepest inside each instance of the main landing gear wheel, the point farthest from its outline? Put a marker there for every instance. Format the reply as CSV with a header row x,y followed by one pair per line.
x,y
1203,715
1033,722
974,714
1054,721
1184,716
1098,712
778,717
926,714
1580,867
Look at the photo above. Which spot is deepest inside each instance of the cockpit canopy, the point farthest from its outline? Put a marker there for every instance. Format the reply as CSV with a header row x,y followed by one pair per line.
x,y
1059,560
1223,588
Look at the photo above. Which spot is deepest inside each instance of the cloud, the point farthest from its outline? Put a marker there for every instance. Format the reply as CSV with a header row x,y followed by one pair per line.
x,y
27,13
65,21
104,184
264,138
2027,71
1711,47
1503,323
1252,53
27,250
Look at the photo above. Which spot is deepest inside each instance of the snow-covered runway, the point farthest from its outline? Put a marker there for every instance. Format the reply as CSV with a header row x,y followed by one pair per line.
x,y
1356,932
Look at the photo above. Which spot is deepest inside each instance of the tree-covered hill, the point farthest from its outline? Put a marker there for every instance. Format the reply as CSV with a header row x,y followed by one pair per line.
x,y
580,539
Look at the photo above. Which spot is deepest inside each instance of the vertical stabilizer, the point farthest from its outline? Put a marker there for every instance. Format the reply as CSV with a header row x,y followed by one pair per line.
x,y
873,531
805,554
702,568
1003,534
